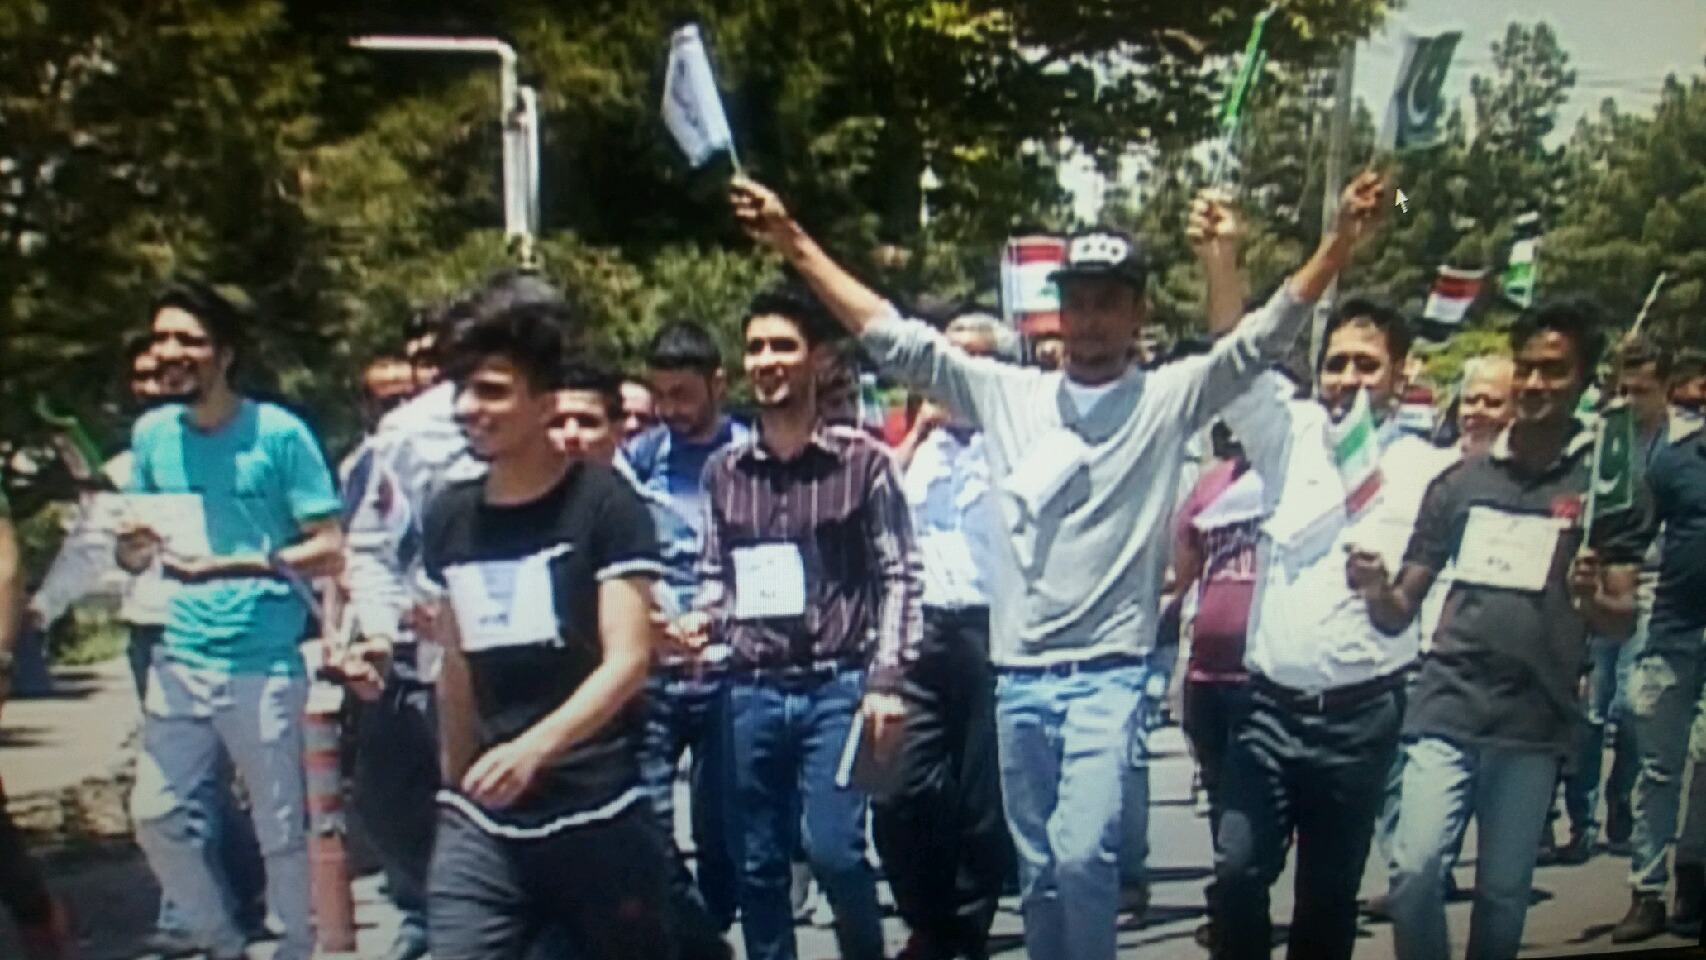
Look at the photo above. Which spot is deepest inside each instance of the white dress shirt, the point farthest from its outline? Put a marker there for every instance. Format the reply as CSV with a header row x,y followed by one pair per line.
x,y
947,485
1308,630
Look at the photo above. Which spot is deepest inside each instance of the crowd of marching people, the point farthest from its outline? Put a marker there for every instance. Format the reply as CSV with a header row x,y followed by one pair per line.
x,y
544,586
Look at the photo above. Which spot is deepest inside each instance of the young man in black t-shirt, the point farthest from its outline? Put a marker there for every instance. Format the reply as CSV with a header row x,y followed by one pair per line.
x,y
547,566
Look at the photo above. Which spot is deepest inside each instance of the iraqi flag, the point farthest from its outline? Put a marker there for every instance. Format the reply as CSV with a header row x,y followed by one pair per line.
x,y
1030,302
1454,291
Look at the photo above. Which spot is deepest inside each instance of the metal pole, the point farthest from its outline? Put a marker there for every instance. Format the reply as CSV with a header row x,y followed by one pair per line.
x,y
1339,132
517,119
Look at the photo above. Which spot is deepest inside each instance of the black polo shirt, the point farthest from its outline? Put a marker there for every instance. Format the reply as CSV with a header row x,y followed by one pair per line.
x,y
1678,484
1506,661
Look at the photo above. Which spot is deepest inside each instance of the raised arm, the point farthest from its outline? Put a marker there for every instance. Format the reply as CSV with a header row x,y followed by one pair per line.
x,y
907,350
1265,335
1216,236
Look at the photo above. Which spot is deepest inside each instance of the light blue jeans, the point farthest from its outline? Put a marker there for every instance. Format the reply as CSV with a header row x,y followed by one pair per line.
x,y
1509,792
1064,739
1134,810
1667,694
193,718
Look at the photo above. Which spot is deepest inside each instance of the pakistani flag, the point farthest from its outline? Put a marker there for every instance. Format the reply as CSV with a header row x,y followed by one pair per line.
x,y
1356,452
1418,102
1613,463
692,108
1518,281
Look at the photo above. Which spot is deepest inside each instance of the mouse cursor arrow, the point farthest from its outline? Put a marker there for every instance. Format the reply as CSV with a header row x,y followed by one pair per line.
x,y
1402,202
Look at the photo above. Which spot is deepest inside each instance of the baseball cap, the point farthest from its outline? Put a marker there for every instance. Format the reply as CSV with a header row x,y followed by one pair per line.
x,y
1104,253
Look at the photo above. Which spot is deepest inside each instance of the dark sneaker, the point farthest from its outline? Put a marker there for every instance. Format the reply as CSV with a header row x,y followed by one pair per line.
x,y
1644,921
1577,852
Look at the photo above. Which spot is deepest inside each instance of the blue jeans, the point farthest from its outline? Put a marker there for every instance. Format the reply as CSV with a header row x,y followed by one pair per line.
x,y
788,738
684,713
226,834
1509,793
1064,741
1666,694
1134,809
1607,705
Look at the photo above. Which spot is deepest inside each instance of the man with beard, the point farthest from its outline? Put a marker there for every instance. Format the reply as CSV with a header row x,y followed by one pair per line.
x,y
227,679
1495,710
226,835
1087,461
810,577
688,695
545,566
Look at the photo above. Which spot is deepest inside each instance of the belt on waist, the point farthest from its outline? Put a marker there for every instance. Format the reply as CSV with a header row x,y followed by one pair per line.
x,y
816,671
1331,700
1107,661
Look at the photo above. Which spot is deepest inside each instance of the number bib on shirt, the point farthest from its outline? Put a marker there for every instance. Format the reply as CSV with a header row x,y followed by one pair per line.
x,y
1509,551
770,581
506,603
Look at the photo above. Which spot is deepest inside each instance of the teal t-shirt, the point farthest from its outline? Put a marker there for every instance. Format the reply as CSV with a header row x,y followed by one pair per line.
x,y
261,477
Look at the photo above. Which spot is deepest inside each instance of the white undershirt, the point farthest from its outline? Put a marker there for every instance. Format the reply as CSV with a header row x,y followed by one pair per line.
x,y
1084,398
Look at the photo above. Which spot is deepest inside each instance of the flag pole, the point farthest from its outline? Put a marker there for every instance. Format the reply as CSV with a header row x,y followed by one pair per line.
x,y
1653,294
1593,485
1232,110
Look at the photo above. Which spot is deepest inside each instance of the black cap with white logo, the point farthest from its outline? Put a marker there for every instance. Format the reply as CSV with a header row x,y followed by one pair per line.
x,y
1104,253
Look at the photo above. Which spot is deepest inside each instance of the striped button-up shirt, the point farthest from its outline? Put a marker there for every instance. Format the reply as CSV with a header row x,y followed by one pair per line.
x,y
839,502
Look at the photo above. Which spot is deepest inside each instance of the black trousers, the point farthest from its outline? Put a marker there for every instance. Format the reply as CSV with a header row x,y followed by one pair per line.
x,y
1319,776
1211,707
942,836
22,889
395,779
606,883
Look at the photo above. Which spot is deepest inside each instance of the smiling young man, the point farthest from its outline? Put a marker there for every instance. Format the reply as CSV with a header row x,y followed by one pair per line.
x,y
1495,710
547,565
227,678
1085,463
1315,738
688,696
810,577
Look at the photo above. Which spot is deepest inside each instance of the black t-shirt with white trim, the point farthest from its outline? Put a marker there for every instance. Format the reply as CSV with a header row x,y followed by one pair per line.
x,y
523,584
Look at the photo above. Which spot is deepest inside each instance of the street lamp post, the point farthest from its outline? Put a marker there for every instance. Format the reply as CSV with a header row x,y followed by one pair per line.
x,y
518,112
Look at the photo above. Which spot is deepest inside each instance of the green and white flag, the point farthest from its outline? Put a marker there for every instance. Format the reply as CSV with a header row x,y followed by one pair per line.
x,y
1613,488
1518,280
1417,106
1232,108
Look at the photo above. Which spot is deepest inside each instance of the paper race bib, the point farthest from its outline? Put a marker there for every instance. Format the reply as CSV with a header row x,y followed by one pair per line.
x,y
1510,551
506,603
770,581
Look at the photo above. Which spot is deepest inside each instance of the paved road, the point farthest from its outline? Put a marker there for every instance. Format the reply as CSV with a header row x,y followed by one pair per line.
x,y
49,745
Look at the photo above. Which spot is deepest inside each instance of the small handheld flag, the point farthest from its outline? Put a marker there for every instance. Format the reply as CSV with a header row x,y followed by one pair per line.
x,y
1517,283
1413,114
1454,292
1030,303
692,107
1232,108
1611,484
1356,452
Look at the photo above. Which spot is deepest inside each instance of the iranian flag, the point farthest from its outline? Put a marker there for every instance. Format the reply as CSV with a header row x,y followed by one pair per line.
x,y
1454,291
1030,303
1356,452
